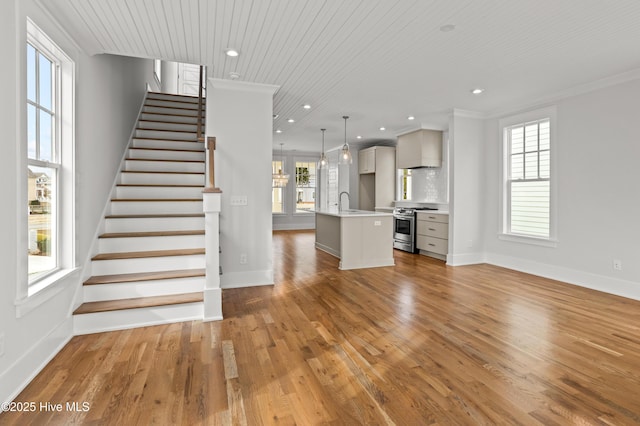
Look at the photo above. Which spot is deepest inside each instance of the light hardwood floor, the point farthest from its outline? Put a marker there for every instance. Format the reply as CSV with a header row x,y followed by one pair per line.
x,y
415,344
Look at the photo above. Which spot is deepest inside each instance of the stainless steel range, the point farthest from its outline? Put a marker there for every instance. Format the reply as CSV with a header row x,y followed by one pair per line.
x,y
404,228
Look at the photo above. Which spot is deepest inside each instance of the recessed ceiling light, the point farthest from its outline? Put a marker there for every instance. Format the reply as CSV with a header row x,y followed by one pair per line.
x,y
358,137
383,128
306,106
234,75
278,131
447,28
291,120
231,52
477,91
411,117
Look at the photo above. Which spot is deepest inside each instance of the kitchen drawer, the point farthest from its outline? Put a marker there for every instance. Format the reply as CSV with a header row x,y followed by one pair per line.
x,y
432,229
434,245
434,217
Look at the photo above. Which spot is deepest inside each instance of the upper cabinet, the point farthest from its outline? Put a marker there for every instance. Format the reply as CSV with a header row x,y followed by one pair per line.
x,y
367,160
422,148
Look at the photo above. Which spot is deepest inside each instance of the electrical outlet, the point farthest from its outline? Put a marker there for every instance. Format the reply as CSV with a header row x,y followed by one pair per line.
x,y
1,344
617,264
243,259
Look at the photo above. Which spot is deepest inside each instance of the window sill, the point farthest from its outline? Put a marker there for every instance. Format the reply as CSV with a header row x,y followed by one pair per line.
x,y
44,290
544,242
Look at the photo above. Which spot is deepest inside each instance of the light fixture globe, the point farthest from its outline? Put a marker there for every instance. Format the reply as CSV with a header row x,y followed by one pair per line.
x,y
345,153
323,163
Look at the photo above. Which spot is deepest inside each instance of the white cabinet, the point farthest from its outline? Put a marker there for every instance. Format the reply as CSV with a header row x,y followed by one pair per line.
x,y
367,160
422,148
432,234
377,167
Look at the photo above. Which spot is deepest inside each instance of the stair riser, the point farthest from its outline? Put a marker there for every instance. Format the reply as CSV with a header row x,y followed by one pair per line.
x,y
163,166
171,104
158,192
97,293
171,111
153,125
158,154
156,134
154,224
117,245
170,118
164,144
131,318
155,207
169,97
161,179
151,264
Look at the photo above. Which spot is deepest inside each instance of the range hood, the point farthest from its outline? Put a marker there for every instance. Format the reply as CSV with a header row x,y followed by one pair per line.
x,y
420,148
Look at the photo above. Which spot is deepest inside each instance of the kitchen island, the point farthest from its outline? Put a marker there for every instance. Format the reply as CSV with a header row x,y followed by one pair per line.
x,y
359,238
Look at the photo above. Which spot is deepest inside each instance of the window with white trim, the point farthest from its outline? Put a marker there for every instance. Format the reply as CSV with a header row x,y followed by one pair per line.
x,y
305,186
49,75
528,198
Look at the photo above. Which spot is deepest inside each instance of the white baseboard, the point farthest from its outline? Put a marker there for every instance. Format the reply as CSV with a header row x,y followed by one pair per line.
x,y
465,259
369,263
327,249
293,226
246,279
618,287
26,368
212,304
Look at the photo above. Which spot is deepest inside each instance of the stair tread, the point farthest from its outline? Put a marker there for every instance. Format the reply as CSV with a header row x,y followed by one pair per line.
x,y
160,185
162,172
166,130
173,107
151,234
162,139
168,149
144,276
140,302
146,254
164,160
168,114
152,216
171,200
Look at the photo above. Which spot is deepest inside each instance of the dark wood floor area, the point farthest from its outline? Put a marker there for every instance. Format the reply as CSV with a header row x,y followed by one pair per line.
x,y
415,344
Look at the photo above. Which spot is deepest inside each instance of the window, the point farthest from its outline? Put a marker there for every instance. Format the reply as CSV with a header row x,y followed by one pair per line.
x,y
305,186
528,178
277,193
49,151
43,162
404,184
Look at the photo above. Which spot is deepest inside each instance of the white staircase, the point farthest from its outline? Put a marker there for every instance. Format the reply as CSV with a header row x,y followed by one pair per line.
x,y
150,266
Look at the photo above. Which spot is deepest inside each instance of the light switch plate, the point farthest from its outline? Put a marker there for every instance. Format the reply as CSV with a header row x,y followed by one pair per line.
x,y
239,200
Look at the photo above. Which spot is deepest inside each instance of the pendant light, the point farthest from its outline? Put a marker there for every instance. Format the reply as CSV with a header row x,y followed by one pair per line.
x,y
323,162
280,180
345,154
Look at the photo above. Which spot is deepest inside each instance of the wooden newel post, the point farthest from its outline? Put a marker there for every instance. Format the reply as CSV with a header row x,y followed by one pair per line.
x,y
211,147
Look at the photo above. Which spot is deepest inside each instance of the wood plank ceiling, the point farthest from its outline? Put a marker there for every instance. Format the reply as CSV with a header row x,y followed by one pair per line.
x,y
378,61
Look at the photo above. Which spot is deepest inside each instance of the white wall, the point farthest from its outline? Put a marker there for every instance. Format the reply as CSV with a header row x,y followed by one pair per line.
x,y
466,218
239,115
106,104
598,178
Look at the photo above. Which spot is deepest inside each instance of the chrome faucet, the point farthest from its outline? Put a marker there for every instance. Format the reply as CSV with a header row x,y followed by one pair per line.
x,y
340,200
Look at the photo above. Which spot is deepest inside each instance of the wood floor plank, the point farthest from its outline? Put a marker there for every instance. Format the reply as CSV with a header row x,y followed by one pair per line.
x,y
418,343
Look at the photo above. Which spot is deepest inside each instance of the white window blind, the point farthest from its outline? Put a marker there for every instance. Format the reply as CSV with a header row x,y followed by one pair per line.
x,y
528,179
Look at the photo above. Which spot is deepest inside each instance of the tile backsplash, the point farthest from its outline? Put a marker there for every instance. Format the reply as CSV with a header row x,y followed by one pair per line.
x,y
429,185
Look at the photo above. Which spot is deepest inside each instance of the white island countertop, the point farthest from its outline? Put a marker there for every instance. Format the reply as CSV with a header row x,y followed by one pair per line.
x,y
351,213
